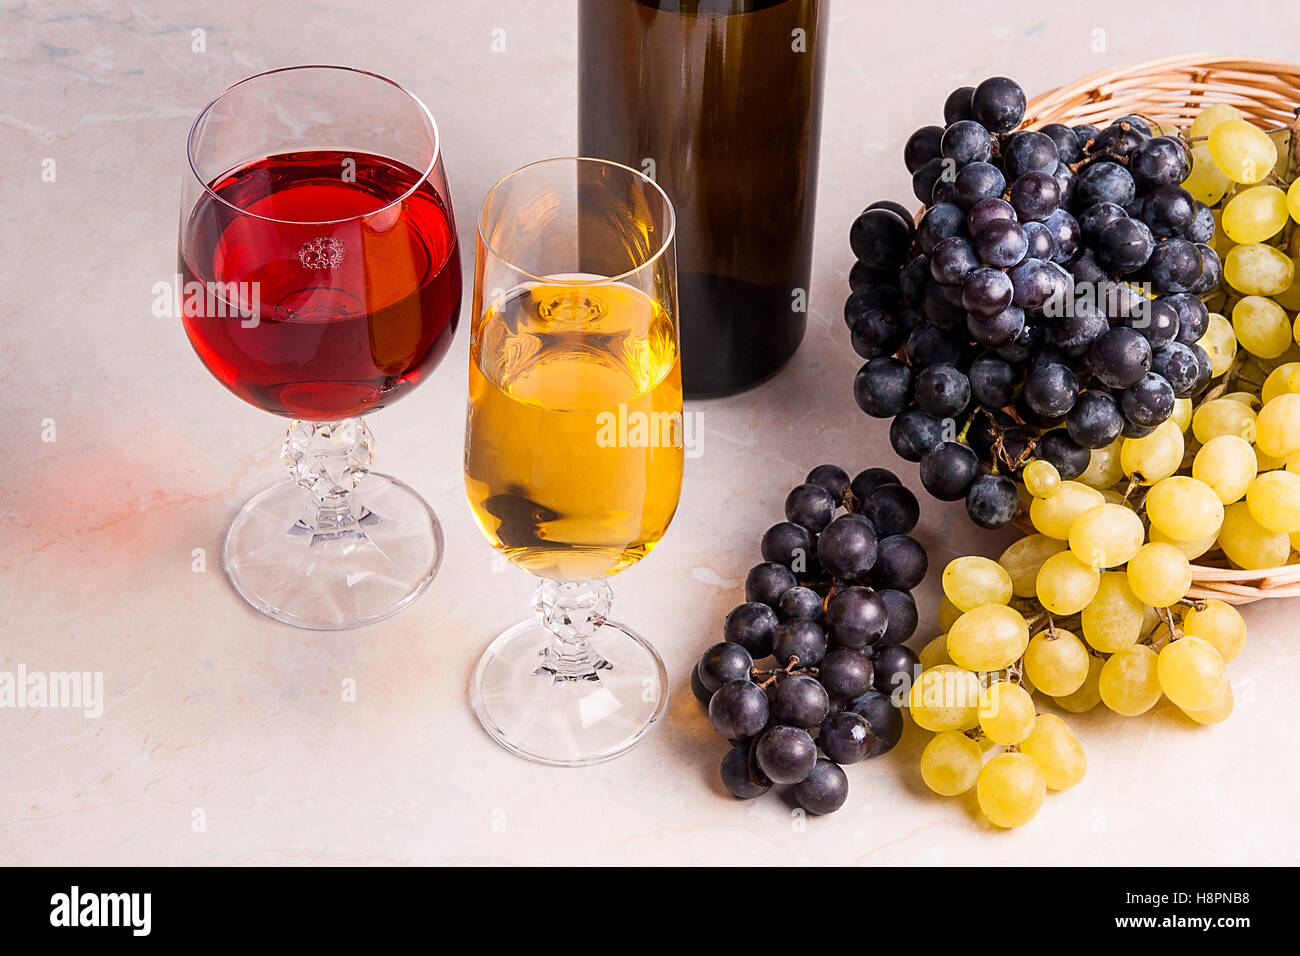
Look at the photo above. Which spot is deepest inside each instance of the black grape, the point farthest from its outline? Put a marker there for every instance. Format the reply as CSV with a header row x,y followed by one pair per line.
x,y
738,777
824,789
846,737
892,509
785,754
751,625
739,709
901,561
857,616
992,501
847,548
947,471
800,701
766,582
722,663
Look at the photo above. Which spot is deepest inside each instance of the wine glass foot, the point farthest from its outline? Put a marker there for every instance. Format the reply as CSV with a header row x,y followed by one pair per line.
x,y
545,714
332,580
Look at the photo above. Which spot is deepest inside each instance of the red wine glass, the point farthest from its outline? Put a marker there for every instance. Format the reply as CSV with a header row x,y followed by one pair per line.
x,y
321,281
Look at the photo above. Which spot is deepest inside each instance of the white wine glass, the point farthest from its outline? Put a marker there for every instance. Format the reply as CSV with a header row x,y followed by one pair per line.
x,y
573,445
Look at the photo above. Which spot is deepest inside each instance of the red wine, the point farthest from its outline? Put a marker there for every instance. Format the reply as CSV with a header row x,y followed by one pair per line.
x,y
346,278
720,102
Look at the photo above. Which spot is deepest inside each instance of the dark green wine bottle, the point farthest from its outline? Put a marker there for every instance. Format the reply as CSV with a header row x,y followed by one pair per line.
x,y
720,102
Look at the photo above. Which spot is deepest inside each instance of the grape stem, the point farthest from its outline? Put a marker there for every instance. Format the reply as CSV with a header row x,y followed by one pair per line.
x,y
999,446
1037,619
1106,154
1195,603
1173,633
777,674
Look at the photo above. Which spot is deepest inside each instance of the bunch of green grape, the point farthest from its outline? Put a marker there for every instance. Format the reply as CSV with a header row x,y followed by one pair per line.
x,y
1091,609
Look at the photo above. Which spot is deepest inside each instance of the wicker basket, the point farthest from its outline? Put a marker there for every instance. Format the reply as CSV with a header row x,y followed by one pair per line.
x,y
1173,91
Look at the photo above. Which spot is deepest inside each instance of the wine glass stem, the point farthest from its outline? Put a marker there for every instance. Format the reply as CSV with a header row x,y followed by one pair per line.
x,y
572,611
329,459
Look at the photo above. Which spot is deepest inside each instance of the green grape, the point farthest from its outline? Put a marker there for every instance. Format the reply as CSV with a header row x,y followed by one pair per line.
x,y
1227,464
935,653
1006,712
1065,584
1274,501
1056,662
1184,508
1087,696
1104,468
945,697
1113,621
950,763
1261,325
1259,270
1206,183
974,581
1248,544
1220,343
1010,789
988,638
1256,214
1128,684
1243,152
1278,382
1160,575
1212,715
1106,536
1220,624
1293,201
1277,431
1190,549
1192,674
1053,516
1022,559
1210,117
1156,456
1057,752
1182,413
1221,416
1290,299
1041,478
948,612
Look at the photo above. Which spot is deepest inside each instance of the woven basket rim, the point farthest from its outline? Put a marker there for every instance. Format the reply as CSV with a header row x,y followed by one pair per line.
x,y
1101,85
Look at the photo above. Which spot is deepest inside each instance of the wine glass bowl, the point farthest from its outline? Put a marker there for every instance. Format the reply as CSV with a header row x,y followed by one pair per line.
x,y
574,445
321,281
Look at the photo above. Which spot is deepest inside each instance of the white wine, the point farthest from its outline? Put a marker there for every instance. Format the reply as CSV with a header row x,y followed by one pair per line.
x,y
574,442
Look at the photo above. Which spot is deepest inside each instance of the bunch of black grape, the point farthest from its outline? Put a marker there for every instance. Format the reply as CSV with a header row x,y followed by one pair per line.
x,y
1047,302
830,605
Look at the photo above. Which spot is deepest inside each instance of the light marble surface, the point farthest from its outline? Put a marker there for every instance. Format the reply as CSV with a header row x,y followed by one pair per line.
x,y
216,715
